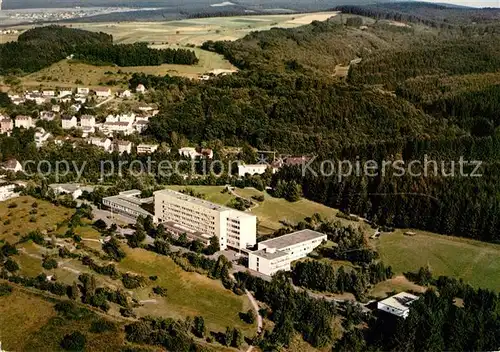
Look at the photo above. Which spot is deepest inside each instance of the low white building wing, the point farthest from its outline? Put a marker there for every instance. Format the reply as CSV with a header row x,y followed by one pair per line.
x,y
128,203
7,191
278,253
398,305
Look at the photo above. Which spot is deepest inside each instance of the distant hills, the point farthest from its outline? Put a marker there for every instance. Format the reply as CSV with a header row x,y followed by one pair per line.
x,y
299,5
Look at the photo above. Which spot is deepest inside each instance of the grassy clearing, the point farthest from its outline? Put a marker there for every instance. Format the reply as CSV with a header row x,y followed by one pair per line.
x,y
28,322
398,283
478,263
189,294
21,315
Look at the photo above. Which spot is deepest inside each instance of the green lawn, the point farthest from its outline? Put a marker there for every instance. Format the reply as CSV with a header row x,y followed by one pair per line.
x,y
28,322
17,219
476,262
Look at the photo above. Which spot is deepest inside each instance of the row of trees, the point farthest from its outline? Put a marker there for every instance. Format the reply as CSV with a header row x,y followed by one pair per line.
x,y
458,205
323,277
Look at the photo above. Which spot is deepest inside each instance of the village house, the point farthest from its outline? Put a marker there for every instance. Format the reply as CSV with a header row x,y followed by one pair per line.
x,y
254,169
112,118
17,101
124,93
142,117
146,148
117,127
12,165
103,92
68,122
59,141
7,192
47,115
123,147
65,92
6,125
130,118
23,122
103,143
296,160
81,100
41,137
207,152
140,126
49,93
140,89
36,97
398,305
145,108
86,131
87,121
56,108
189,152
82,90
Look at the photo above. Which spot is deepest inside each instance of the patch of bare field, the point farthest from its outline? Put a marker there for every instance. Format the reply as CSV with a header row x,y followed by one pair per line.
x,y
308,18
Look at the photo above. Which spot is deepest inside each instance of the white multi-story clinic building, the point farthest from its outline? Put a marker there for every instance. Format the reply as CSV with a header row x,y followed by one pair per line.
x,y
278,253
233,228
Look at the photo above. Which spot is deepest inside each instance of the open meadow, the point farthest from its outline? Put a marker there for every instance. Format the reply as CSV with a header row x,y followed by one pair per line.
x,y
189,294
477,263
199,30
29,322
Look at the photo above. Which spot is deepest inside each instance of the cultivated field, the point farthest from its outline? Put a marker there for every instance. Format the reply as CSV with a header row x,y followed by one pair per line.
x,y
478,263
196,31
174,34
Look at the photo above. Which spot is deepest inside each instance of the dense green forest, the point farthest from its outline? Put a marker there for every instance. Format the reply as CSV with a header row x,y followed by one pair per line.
x,y
137,54
41,47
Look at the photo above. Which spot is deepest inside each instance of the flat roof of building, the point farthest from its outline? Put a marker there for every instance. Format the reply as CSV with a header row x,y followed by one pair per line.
x,y
131,193
262,253
292,239
202,203
401,301
128,203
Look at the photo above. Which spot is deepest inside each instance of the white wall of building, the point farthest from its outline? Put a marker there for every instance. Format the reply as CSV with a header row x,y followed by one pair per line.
x,y
232,228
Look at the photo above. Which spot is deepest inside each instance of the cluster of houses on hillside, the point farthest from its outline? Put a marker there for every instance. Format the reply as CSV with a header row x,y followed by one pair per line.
x,y
274,166
126,124
65,95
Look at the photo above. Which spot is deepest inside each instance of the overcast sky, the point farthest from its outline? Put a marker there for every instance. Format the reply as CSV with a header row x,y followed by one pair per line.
x,y
474,3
